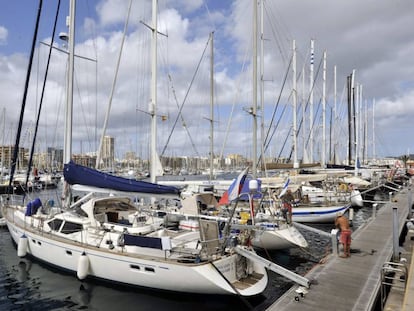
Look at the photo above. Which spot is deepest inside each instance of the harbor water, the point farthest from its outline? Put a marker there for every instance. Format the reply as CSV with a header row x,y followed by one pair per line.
x,y
26,284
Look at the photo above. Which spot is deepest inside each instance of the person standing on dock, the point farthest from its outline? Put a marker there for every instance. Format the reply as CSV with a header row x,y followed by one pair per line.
x,y
342,223
287,202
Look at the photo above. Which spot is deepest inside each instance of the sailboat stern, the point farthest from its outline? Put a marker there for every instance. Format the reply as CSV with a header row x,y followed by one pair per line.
x,y
277,238
239,275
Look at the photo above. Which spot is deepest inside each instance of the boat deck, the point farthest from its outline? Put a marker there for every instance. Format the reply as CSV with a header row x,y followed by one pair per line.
x,y
248,281
353,283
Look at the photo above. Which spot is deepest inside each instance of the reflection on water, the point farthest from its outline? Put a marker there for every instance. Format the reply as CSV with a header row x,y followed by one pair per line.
x,y
30,285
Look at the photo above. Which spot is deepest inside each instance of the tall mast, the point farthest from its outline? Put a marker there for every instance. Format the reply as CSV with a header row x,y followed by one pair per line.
x,y
323,158
357,125
304,154
69,90
312,57
365,132
335,116
349,155
254,91
2,144
153,101
67,151
373,131
295,144
262,135
211,103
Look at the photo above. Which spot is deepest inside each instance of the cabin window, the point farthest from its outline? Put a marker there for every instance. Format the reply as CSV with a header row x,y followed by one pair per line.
x,y
55,224
71,227
148,269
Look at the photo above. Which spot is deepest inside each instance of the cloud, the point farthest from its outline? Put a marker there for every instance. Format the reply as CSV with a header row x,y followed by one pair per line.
x,y
373,37
3,35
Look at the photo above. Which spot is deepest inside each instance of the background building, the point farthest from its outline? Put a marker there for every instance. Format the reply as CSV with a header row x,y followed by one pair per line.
x,y
108,152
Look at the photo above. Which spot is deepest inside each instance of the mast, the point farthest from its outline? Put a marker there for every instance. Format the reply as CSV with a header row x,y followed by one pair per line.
x,y
211,104
365,132
262,135
373,131
67,152
312,57
357,124
254,102
69,90
334,119
26,87
295,144
304,154
2,144
153,101
348,83
351,114
323,159
353,111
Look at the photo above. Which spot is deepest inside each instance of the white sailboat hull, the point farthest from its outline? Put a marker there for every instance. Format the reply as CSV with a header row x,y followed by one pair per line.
x,y
317,214
279,239
143,270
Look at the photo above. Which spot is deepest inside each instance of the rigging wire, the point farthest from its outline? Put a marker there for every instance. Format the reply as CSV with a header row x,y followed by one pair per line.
x,y
29,165
269,136
26,87
99,157
179,115
182,120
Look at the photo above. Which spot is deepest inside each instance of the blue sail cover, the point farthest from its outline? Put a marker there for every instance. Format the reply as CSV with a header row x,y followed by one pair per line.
x,y
82,175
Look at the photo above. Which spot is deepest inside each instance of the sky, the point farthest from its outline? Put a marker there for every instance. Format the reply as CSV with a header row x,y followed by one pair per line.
x,y
372,38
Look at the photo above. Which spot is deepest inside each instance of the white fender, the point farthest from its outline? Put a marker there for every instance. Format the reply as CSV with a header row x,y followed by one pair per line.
x,y
22,246
83,267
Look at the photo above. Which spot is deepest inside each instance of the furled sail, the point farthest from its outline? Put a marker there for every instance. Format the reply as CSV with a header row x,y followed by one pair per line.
x,y
82,175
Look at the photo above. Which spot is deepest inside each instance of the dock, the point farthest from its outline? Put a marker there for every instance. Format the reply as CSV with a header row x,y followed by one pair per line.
x,y
356,283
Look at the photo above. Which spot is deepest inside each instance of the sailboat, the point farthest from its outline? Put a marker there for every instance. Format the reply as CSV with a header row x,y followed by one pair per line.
x,y
270,231
109,238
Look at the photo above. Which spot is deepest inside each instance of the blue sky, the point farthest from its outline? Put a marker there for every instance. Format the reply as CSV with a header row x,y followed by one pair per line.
x,y
372,37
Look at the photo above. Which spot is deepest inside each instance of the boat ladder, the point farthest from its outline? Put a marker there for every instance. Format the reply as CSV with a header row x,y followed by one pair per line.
x,y
273,267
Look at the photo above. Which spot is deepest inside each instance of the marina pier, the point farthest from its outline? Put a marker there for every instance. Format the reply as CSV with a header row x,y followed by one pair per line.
x,y
360,281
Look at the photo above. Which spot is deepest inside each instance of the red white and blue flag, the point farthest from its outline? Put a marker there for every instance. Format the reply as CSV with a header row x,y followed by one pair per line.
x,y
235,188
285,187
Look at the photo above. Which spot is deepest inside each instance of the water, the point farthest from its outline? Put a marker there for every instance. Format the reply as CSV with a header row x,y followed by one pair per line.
x,y
26,284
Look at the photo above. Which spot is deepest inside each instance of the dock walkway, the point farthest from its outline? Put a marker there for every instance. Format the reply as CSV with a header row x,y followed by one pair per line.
x,y
352,283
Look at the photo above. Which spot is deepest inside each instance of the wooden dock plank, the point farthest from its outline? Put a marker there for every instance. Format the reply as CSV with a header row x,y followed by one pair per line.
x,y
352,283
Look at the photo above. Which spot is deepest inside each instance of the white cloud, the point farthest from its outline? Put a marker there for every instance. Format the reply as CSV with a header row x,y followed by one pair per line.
x,y
3,35
373,37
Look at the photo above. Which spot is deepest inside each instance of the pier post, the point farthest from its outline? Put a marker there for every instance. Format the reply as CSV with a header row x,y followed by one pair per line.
x,y
395,235
334,240
409,203
374,210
